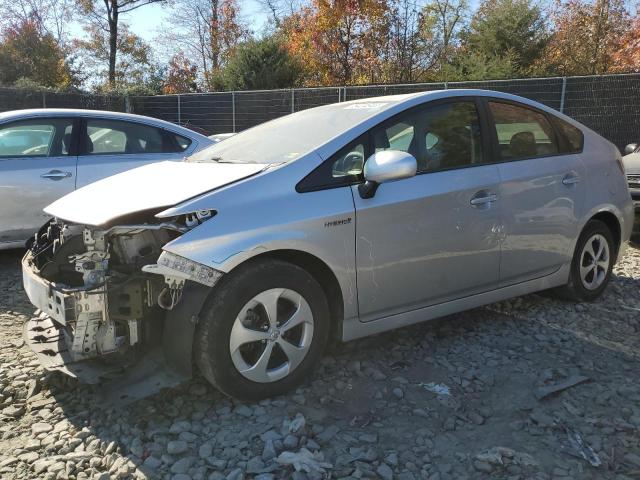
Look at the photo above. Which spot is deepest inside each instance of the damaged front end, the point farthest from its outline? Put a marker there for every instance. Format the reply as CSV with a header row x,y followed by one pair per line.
x,y
114,306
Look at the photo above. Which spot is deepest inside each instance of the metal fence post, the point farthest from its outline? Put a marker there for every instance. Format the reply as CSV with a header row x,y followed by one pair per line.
x,y
446,85
44,99
179,112
292,100
233,110
562,94
127,104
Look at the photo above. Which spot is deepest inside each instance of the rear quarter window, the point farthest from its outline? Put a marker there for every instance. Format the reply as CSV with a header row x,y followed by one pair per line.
x,y
572,138
175,143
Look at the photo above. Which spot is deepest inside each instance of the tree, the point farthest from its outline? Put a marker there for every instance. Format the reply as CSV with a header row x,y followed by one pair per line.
x,y
445,19
182,76
207,31
339,41
28,53
473,65
261,64
134,65
280,9
627,56
513,28
105,15
587,37
411,50
50,16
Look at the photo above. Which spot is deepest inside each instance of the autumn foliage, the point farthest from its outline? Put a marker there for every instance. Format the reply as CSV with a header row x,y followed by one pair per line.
x,y
182,76
208,45
339,41
589,38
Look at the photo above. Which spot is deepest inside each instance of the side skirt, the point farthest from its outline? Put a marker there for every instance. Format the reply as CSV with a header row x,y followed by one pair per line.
x,y
353,328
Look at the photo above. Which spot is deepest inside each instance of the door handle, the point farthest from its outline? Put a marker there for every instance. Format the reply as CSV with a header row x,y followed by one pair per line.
x,y
482,198
570,179
56,175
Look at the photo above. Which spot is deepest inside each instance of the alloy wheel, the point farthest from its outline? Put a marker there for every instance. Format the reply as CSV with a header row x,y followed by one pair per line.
x,y
594,262
271,335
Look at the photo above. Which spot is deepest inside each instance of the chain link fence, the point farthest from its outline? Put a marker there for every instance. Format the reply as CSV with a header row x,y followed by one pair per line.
x,y
18,99
609,104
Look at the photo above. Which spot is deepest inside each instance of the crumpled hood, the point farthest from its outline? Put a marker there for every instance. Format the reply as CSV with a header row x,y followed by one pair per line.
x,y
631,163
156,185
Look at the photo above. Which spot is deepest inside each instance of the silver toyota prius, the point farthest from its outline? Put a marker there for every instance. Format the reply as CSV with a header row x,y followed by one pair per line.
x,y
332,223
47,153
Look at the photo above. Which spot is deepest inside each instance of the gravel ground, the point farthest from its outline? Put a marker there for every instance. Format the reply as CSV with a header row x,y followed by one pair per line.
x,y
459,398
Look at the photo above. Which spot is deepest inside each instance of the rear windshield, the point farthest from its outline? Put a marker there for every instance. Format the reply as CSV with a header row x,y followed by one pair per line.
x,y
289,138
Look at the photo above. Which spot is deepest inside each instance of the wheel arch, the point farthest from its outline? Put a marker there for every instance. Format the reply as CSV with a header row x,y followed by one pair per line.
x,y
613,223
319,270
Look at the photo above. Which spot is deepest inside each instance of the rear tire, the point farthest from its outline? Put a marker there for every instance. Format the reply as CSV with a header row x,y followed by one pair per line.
x,y
263,330
592,264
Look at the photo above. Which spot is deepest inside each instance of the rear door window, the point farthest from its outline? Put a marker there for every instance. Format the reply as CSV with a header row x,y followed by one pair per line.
x,y
522,132
120,137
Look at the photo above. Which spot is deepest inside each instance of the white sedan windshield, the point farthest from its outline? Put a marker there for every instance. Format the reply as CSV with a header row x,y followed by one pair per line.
x,y
288,138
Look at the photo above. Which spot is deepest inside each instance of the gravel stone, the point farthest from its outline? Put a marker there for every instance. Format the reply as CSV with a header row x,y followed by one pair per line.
x,y
152,462
269,451
176,447
348,419
290,442
385,471
41,427
182,465
236,474
398,393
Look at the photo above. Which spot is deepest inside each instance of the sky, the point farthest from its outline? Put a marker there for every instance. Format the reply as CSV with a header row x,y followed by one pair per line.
x,y
147,21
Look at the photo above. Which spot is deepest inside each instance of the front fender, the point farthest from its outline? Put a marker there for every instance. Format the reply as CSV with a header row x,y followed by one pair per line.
x,y
320,223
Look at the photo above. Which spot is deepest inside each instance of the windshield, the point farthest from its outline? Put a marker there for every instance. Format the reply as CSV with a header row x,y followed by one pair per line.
x,y
289,138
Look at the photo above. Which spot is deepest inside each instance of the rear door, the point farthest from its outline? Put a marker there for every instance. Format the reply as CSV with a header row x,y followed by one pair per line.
x,y
542,191
37,166
112,146
434,237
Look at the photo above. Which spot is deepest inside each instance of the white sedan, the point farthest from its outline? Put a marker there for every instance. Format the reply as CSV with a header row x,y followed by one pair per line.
x,y
47,153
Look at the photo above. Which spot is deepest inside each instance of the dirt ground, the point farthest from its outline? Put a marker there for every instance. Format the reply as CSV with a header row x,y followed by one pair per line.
x,y
457,398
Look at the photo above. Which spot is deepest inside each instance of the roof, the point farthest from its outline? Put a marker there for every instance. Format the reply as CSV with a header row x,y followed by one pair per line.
x,y
61,112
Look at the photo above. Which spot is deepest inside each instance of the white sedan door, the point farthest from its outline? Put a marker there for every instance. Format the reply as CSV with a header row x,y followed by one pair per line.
x,y
37,166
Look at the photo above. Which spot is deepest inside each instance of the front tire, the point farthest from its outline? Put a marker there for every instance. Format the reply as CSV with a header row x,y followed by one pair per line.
x,y
263,330
592,263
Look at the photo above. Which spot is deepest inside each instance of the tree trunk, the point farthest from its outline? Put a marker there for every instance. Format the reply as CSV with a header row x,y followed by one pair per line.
x,y
214,33
113,42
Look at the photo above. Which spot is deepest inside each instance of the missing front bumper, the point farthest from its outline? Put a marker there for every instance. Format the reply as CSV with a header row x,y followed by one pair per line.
x,y
48,341
66,335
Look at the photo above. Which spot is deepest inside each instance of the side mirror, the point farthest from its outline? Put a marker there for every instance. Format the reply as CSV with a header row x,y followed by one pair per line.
x,y
629,149
386,166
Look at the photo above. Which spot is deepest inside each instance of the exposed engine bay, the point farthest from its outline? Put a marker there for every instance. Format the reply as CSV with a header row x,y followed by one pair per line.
x,y
105,291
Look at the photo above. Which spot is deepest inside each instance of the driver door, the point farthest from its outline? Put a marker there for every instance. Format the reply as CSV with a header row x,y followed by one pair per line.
x,y
434,237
